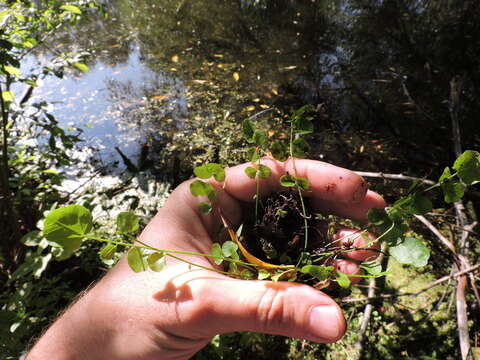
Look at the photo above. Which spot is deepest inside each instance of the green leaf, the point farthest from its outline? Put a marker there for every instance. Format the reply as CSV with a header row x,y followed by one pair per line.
x,y
13,71
229,248
377,216
264,172
251,172
279,150
263,274
205,208
217,253
302,183
108,251
342,280
247,274
82,67
71,8
300,148
67,226
33,238
410,251
317,271
260,138
248,129
445,175
253,154
157,261
206,171
468,166
373,268
415,204
201,188
287,181
302,125
453,191
7,96
136,259
127,222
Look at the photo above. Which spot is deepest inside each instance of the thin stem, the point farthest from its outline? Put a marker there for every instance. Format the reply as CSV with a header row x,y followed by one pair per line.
x,y
200,266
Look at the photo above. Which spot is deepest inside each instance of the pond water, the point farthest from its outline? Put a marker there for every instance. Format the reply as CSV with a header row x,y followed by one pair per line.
x,y
168,74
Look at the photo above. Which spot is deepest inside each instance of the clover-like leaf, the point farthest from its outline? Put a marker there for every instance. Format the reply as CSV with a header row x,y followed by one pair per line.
x,y
263,274
317,271
253,154
68,226
415,204
108,251
300,148
377,216
229,249
136,259
248,129
302,183
410,251
287,180
342,280
157,261
260,138
217,253
201,188
251,172
279,150
127,222
264,171
468,166
206,171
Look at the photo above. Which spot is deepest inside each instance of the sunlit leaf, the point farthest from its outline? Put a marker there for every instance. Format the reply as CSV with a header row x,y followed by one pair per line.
x,y
12,71
251,172
108,251
33,238
201,188
342,280
263,274
68,226
217,253
317,271
71,8
410,251
157,261
136,259
82,67
229,248
206,171
7,96
127,222
468,166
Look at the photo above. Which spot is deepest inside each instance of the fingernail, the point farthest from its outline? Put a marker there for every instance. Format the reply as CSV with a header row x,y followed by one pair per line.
x,y
325,323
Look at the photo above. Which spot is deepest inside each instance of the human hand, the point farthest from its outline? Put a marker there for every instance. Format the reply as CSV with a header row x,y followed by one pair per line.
x,y
174,313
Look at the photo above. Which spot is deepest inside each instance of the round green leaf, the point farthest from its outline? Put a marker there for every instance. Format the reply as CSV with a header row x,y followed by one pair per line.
x,y
300,148
264,172
302,183
317,271
206,171
279,150
251,172
453,191
260,138
377,216
248,130
229,248
201,188
342,280
416,204
136,259
410,251
127,222
468,166
217,253
287,180
67,226
157,261
108,251
253,154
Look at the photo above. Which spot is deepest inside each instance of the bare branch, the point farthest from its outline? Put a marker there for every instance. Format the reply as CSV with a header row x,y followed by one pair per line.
x,y
437,233
394,177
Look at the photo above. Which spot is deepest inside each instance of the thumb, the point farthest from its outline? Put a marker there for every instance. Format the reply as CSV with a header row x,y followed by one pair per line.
x,y
282,308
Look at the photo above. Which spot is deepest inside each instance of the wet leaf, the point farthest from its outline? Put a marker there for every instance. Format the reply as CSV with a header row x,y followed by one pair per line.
x,y
468,166
410,251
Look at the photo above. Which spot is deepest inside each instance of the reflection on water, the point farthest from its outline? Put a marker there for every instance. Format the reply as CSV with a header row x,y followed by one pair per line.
x,y
164,70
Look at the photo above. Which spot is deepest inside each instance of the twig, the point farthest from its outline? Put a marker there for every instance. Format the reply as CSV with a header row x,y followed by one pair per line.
x,y
426,288
394,177
437,233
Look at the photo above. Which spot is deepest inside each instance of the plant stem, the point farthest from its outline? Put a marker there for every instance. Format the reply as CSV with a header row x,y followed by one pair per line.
x,y
197,265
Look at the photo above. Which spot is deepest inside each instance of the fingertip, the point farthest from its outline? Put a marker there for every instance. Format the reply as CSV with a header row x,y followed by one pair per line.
x,y
350,268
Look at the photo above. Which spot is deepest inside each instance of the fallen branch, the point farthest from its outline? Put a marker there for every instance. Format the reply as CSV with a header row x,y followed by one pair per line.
x,y
394,177
426,288
437,233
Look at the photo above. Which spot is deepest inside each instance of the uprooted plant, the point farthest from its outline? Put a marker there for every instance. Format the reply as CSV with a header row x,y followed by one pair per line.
x,y
284,239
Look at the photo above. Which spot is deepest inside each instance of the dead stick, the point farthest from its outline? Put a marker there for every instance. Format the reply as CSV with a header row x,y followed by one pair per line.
x,y
394,177
437,233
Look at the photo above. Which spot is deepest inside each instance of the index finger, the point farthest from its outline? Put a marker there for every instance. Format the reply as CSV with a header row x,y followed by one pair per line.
x,y
339,190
